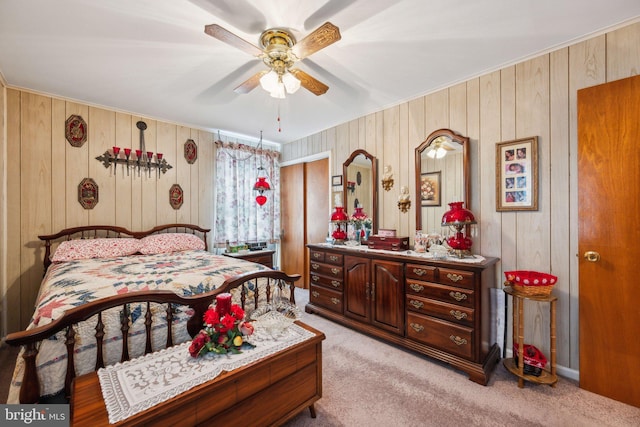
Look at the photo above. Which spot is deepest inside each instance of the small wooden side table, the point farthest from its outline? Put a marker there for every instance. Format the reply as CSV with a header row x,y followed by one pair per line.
x,y
548,377
264,257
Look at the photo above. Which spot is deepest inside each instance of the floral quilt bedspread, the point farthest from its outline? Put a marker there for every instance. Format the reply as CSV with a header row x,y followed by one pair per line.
x,y
74,283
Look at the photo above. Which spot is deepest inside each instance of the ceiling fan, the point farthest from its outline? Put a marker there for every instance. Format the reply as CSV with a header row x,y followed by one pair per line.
x,y
439,147
280,51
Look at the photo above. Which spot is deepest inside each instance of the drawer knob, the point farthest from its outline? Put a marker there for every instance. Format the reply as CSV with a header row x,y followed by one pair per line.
x,y
335,271
416,287
315,266
315,278
316,255
417,327
454,277
335,283
315,294
333,258
336,301
419,271
416,304
458,314
458,296
457,340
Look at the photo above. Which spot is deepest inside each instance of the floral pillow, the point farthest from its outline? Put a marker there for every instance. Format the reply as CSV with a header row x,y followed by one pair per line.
x,y
171,242
71,250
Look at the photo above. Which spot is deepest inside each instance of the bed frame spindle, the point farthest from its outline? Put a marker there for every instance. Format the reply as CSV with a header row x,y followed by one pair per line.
x,y
169,325
71,367
99,338
124,322
147,324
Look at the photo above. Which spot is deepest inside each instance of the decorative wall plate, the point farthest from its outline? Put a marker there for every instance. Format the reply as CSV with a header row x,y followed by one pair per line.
x,y
75,130
88,193
176,196
190,151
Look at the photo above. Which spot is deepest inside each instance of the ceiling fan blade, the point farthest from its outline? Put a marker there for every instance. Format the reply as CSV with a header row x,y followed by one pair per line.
x,y
309,83
322,37
251,83
216,31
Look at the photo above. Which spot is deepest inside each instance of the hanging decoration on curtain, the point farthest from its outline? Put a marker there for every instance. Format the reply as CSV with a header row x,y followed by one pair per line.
x,y
261,185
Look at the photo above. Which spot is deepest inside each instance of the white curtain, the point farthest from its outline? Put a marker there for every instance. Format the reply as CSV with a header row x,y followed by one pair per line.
x,y
239,218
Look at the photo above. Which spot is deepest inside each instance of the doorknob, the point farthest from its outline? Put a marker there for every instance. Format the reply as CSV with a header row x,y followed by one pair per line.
x,y
592,256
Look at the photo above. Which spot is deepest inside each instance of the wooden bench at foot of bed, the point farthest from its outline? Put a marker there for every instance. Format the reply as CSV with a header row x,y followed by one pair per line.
x,y
269,391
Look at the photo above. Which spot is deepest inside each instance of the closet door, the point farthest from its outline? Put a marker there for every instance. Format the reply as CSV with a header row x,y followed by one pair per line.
x,y
305,214
609,190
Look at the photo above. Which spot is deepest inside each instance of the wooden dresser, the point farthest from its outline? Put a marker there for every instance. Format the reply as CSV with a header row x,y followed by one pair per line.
x,y
438,308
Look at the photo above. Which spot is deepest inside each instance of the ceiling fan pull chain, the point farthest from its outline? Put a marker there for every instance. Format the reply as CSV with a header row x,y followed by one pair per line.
x,y
279,123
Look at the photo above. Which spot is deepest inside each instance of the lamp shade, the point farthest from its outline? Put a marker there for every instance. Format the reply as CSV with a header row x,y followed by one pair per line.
x,y
291,83
261,185
339,215
269,81
457,215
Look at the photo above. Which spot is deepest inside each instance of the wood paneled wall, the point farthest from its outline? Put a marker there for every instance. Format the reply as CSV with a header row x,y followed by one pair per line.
x,y
44,170
535,97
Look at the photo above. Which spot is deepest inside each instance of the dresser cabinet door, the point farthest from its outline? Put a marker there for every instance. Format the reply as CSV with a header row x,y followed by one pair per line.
x,y
387,295
357,276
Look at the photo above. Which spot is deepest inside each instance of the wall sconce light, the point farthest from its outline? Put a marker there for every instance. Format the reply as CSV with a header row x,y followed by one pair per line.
x,y
387,178
458,218
404,200
143,159
351,186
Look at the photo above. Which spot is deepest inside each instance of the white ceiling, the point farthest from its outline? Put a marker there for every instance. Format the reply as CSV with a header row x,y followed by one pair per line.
x,y
152,57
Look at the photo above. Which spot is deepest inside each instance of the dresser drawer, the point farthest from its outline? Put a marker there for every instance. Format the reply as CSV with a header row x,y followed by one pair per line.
x,y
327,298
316,256
328,270
464,279
329,282
441,310
335,259
450,294
420,272
452,338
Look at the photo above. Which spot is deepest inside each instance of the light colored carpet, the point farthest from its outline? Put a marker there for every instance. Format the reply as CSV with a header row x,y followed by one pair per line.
x,y
367,382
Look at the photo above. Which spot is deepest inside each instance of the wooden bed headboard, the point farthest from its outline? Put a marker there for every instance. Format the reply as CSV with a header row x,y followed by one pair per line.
x,y
112,231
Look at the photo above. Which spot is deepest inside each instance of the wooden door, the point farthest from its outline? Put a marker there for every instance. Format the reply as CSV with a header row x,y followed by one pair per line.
x,y
387,303
304,214
357,288
608,201
292,220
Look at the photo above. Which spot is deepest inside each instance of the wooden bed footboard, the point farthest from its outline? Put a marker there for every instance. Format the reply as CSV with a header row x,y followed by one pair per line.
x,y
30,388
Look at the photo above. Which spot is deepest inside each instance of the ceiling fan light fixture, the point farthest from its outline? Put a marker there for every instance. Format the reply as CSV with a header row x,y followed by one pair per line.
x,y
278,92
269,81
436,152
291,83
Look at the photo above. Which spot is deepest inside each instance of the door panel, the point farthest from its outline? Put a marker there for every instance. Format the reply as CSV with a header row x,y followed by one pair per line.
x,y
609,198
292,199
305,214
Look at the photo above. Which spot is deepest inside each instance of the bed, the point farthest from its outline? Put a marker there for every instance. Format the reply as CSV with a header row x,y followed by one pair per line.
x,y
110,295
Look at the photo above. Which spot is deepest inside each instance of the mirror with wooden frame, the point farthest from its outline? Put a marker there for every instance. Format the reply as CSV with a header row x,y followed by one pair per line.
x,y
442,177
360,185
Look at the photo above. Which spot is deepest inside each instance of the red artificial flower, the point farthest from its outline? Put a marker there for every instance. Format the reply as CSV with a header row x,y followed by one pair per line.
x,y
198,343
237,312
211,317
227,322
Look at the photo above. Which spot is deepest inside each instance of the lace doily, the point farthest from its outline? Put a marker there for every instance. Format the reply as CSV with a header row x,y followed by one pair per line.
x,y
134,386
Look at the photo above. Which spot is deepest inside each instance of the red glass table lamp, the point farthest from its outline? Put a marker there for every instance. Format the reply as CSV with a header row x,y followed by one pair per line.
x,y
458,218
340,218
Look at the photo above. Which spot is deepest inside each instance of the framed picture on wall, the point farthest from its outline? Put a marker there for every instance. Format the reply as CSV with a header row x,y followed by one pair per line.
x,y
336,180
517,175
430,188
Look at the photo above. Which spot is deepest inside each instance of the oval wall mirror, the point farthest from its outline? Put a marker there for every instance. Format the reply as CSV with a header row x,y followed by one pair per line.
x,y
360,185
442,177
